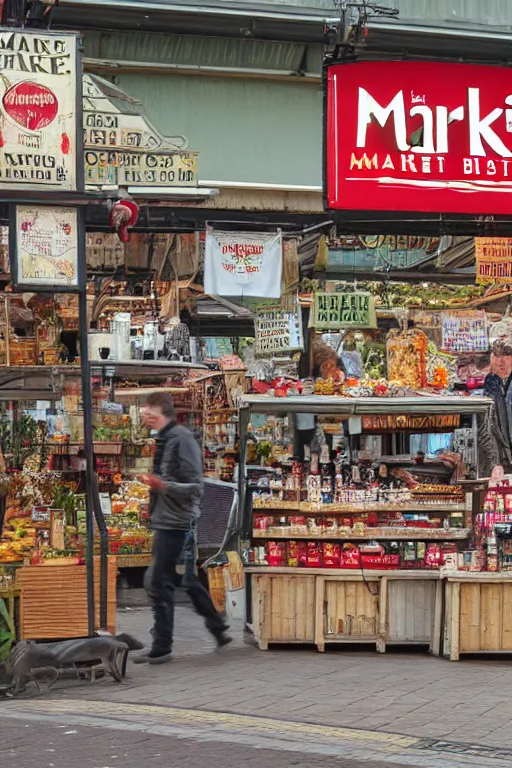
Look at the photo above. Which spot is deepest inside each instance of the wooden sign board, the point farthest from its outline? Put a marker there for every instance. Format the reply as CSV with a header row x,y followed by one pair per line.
x,y
493,260
332,311
278,330
410,422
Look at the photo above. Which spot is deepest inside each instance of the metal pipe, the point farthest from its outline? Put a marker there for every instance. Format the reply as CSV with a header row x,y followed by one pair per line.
x,y
102,527
89,455
92,64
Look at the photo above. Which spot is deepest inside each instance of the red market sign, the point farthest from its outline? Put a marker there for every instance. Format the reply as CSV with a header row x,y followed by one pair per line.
x,y
419,136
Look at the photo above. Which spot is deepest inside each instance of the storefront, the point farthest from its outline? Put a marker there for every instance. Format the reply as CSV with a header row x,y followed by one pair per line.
x,y
374,499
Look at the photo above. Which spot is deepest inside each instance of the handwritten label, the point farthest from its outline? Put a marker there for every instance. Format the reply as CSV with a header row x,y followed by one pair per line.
x,y
47,245
493,260
464,331
277,330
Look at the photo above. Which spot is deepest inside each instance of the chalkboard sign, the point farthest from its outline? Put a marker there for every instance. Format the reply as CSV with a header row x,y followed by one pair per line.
x,y
277,330
343,310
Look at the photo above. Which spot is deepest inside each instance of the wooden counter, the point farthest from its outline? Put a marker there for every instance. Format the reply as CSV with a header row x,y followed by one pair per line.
x,y
319,606
478,614
54,600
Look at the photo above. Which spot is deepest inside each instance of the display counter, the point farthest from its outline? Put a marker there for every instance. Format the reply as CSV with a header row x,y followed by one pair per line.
x,y
478,614
323,606
347,543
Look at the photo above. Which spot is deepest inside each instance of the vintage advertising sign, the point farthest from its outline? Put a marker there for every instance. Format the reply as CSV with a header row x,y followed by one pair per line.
x,y
277,330
38,110
243,264
45,246
122,147
332,311
493,260
418,136
410,422
464,331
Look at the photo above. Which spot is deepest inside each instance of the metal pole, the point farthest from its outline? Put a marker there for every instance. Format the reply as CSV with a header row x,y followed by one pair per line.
x,y
89,455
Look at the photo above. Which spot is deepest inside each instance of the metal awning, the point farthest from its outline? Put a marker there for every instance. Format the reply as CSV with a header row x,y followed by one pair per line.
x,y
359,406
263,21
387,38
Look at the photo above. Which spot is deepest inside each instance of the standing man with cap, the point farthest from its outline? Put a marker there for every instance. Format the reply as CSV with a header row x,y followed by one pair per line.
x,y
176,489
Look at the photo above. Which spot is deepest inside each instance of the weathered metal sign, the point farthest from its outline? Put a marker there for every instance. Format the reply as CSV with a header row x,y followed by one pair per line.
x,y
122,147
38,126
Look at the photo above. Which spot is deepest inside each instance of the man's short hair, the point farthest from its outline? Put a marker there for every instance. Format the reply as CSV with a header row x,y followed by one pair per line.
x,y
161,400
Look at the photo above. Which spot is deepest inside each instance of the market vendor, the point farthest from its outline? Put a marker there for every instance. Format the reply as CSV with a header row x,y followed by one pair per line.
x,y
326,363
497,385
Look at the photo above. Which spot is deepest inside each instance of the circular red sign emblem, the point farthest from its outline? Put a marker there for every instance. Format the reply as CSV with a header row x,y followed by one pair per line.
x,y
31,105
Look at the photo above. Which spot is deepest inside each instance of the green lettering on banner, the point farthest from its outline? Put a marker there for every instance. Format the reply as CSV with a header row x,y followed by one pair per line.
x,y
343,310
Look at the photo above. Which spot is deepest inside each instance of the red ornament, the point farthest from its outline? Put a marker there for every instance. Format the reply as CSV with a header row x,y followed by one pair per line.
x,y
123,214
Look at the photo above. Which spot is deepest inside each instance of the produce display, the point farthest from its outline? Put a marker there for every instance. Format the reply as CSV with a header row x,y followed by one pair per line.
x,y
40,521
127,526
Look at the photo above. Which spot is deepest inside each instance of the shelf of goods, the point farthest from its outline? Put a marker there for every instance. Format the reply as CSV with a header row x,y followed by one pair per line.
x,y
338,554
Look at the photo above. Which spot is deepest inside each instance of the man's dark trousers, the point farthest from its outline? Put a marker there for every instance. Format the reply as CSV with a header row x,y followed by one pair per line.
x,y
161,583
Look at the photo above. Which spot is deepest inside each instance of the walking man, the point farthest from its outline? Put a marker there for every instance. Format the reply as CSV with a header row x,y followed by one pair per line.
x,y
176,489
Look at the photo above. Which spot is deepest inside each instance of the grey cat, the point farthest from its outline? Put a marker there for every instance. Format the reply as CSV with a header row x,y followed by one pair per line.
x,y
27,658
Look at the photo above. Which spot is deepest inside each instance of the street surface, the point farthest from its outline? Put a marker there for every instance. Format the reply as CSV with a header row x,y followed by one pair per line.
x,y
245,707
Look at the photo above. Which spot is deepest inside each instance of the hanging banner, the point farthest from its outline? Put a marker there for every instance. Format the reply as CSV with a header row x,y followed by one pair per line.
x,y
464,331
243,264
277,330
332,311
38,108
493,260
44,248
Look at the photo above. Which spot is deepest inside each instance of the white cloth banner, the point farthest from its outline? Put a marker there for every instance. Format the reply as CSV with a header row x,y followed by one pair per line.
x,y
243,264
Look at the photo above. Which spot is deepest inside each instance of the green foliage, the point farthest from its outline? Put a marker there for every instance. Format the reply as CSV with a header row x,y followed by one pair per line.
x,y
7,632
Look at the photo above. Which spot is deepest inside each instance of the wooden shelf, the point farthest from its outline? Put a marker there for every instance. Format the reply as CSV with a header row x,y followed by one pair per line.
x,y
401,534
328,510
142,560
145,391
407,574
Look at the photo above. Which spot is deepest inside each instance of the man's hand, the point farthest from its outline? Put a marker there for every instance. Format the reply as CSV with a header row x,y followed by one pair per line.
x,y
154,482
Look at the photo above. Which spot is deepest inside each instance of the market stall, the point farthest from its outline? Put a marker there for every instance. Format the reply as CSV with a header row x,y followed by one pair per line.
x,y
341,550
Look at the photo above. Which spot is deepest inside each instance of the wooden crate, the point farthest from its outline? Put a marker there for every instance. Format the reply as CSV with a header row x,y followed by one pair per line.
x,y
283,609
351,611
478,616
410,611
54,600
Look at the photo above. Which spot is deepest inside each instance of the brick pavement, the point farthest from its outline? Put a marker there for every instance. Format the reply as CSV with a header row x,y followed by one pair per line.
x,y
416,695
38,745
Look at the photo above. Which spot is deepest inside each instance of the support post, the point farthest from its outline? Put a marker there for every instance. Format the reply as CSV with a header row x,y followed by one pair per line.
x,y
89,454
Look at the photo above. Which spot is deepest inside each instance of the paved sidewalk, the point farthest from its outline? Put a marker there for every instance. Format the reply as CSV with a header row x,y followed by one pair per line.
x,y
32,744
415,695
